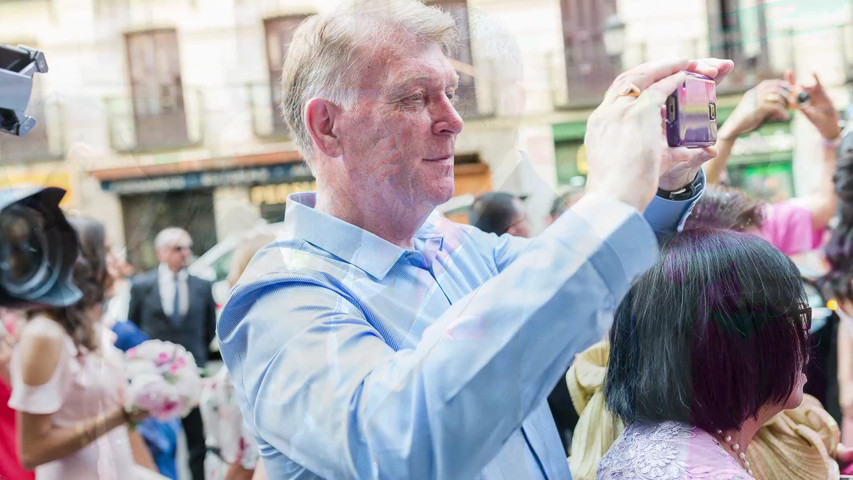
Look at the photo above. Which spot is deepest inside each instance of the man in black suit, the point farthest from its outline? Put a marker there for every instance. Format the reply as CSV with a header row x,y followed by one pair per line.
x,y
169,304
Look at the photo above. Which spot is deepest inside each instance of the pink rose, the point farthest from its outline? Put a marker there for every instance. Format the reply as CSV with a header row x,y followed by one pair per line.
x,y
171,409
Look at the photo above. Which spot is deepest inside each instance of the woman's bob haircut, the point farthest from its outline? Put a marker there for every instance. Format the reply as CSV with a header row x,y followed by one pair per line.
x,y
715,330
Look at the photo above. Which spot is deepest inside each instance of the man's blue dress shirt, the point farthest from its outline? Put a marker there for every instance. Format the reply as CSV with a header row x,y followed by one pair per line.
x,y
355,358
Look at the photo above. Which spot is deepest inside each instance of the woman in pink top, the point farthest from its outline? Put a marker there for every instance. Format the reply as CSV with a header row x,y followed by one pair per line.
x,y
67,381
796,225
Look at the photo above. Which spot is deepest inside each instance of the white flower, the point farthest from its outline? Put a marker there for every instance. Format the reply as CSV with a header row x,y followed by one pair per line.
x,y
163,379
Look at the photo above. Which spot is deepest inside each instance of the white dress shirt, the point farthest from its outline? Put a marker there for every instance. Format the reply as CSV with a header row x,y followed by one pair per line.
x,y
166,284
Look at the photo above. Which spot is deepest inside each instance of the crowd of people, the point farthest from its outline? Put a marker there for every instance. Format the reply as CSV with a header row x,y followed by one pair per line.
x,y
658,328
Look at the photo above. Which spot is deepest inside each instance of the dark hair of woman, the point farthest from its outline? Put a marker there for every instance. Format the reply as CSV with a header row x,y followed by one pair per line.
x,y
839,249
726,207
91,277
715,330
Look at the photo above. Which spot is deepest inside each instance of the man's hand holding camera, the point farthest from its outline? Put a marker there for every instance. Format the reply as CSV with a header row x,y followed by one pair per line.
x,y
626,146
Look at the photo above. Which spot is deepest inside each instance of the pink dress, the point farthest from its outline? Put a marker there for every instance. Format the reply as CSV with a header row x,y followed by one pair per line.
x,y
83,385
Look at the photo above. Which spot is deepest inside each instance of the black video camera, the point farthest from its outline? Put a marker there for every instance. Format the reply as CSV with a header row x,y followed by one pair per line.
x,y
37,245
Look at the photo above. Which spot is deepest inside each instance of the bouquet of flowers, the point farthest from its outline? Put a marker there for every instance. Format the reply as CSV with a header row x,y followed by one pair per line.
x,y
162,379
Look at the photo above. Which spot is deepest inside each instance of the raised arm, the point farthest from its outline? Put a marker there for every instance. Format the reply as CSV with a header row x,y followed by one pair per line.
x,y
326,390
823,115
767,101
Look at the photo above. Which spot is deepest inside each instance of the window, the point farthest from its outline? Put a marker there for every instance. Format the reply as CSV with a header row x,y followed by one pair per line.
x,y
145,215
279,32
589,70
158,96
467,103
737,30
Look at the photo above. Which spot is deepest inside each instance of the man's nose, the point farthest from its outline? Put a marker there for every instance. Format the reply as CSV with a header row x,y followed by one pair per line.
x,y
446,119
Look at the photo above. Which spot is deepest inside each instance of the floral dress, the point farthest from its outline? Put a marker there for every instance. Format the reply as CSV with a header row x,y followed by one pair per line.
x,y
227,439
668,451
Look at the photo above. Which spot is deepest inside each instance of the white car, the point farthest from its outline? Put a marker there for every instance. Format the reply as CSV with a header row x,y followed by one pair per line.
x,y
213,265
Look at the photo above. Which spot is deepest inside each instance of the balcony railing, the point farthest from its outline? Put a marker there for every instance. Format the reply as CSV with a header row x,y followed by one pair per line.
x,y
42,143
145,124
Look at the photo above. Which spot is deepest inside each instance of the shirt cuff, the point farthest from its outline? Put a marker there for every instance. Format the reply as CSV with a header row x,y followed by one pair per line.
x,y
668,216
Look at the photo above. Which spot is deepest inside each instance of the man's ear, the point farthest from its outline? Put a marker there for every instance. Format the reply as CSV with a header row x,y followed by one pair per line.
x,y
320,117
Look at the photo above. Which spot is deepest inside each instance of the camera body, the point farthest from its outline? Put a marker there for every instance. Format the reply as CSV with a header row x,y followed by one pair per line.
x,y
17,67
691,113
38,247
798,98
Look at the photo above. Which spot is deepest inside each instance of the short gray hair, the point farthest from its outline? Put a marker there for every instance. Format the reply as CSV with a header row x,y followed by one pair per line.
x,y
329,50
168,236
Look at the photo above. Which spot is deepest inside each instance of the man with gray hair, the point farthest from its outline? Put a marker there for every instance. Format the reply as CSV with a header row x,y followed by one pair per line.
x,y
376,339
168,303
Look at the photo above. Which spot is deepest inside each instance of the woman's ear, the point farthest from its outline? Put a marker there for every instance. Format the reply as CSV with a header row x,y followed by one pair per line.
x,y
320,117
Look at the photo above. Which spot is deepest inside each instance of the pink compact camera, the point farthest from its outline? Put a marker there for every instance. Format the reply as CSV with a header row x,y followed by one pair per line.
x,y
691,113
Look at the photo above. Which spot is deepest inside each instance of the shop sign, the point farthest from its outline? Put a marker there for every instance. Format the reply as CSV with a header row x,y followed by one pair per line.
x,y
210,179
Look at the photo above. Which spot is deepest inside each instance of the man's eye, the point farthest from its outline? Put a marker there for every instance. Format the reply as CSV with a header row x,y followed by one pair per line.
x,y
413,100
454,98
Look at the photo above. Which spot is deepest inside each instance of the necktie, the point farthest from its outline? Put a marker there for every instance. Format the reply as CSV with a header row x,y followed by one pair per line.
x,y
176,309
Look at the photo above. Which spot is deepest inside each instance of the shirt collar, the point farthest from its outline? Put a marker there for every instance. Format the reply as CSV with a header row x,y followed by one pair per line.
x,y
354,245
163,271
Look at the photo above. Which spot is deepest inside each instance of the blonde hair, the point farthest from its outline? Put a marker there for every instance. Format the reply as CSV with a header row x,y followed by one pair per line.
x,y
329,51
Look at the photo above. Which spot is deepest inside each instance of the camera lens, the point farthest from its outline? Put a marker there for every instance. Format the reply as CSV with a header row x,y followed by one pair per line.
x,y
37,249
22,256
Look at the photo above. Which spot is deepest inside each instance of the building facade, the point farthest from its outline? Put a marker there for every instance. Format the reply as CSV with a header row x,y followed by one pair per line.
x,y
164,112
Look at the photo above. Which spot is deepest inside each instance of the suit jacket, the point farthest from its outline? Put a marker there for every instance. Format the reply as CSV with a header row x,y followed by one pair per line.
x,y
196,329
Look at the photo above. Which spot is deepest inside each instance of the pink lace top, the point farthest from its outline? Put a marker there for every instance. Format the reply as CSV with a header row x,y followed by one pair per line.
x,y
668,451
82,386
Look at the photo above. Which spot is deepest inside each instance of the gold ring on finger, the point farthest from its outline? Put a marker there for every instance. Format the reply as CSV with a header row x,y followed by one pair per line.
x,y
629,89
772,98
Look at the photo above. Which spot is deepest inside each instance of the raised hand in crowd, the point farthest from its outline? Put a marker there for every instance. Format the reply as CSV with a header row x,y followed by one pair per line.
x,y
765,102
772,100
819,109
